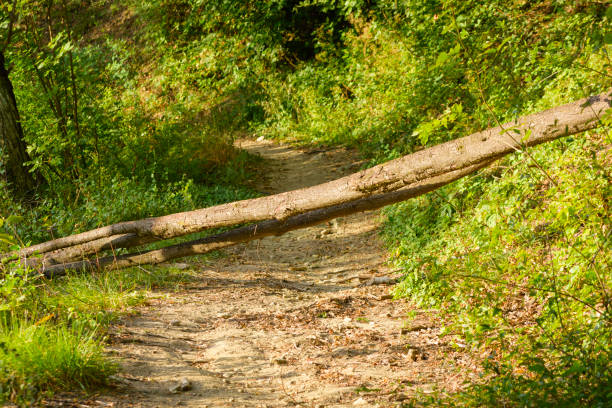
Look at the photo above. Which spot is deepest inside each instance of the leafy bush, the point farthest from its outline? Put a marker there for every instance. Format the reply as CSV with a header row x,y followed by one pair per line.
x,y
414,73
519,262
114,139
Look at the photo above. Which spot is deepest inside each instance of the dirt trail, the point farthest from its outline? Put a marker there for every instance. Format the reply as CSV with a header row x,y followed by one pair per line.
x,y
290,320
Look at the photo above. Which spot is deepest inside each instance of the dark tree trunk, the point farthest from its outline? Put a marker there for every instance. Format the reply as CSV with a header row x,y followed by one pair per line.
x,y
22,181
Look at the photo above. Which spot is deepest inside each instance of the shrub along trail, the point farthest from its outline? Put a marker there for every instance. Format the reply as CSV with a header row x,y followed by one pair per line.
x,y
290,320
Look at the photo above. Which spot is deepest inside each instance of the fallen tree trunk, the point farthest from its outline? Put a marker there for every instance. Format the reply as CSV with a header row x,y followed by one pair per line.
x,y
259,230
466,152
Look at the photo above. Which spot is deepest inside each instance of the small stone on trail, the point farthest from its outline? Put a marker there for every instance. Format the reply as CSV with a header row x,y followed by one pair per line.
x,y
360,401
428,388
180,266
381,280
183,385
175,323
260,139
401,397
412,355
118,379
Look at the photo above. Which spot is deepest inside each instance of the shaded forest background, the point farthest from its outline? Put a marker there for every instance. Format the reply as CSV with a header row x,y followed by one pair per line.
x,y
130,109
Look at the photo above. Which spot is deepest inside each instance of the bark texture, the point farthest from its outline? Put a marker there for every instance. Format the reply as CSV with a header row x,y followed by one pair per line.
x,y
15,154
436,163
255,231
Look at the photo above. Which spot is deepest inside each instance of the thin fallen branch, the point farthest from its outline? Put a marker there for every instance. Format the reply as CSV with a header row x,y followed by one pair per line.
x,y
490,144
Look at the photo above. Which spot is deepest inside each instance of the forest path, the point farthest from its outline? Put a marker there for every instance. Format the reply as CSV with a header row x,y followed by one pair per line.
x,y
287,320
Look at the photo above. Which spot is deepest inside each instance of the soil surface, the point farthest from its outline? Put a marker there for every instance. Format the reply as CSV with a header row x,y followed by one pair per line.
x,y
292,320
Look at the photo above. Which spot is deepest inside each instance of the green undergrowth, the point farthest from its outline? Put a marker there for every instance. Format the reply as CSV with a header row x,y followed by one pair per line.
x,y
412,74
518,257
39,357
119,199
115,136
130,110
52,332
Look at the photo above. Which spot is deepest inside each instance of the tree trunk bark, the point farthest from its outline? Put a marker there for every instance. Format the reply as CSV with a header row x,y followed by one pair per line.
x,y
23,183
437,161
56,264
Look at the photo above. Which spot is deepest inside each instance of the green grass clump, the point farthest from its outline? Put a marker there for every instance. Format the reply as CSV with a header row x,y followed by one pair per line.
x,y
52,332
35,358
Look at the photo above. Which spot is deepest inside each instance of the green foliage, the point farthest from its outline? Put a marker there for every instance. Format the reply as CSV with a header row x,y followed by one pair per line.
x,y
97,113
517,256
419,73
115,140
282,31
52,332
130,200
134,119
40,351
521,266
39,357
